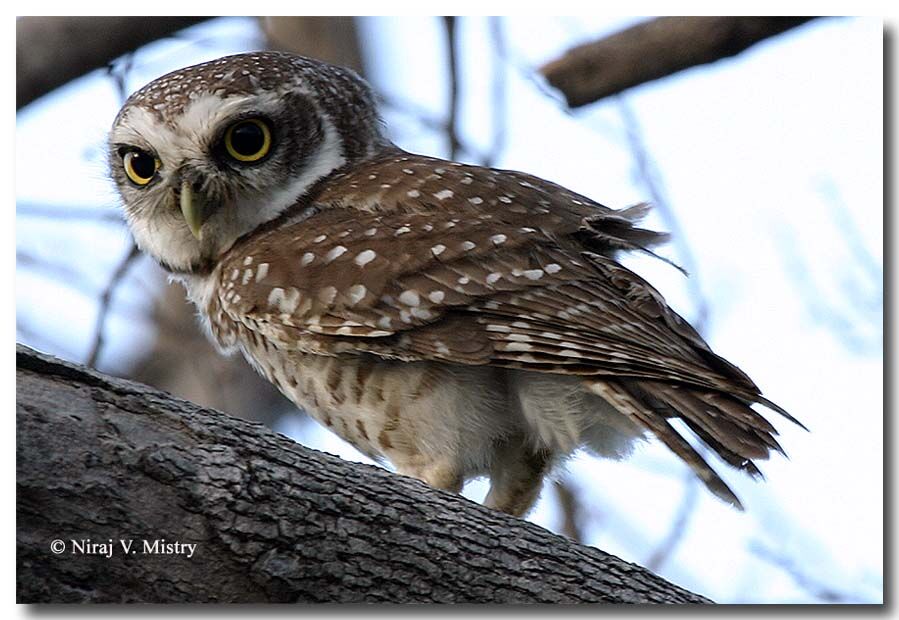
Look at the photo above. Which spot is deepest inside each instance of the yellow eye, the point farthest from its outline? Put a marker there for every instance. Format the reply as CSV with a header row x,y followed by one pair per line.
x,y
248,141
140,166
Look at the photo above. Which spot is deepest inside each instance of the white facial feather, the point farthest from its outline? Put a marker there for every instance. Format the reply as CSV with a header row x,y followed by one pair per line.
x,y
157,225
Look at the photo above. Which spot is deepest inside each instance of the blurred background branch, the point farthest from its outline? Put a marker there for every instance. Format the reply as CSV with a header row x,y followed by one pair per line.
x,y
655,49
89,43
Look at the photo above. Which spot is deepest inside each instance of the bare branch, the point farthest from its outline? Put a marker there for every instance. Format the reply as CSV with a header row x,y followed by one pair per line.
x,y
106,301
654,49
651,181
68,213
417,113
820,591
679,526
426,120
572,510
51,51
58,270
498,94
452,129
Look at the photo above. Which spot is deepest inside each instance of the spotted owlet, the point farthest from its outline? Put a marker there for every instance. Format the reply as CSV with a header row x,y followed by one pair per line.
x,y
456,320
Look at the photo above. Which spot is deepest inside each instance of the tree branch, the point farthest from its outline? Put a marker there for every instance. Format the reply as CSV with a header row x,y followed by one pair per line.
x,y
103,459
452,58
51,51
106,301
654,49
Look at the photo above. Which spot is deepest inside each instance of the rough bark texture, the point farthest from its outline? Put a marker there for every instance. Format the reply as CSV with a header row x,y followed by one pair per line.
x,y
107,459
51,51
655,49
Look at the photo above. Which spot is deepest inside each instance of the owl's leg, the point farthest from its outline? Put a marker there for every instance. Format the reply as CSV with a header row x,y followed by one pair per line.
x,y
516,478
445,475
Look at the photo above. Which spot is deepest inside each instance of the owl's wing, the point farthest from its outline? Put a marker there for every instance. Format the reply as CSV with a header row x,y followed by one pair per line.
x,y
470,286
486,284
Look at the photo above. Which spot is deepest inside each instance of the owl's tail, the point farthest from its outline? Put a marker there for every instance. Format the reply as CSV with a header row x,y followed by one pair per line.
x,y
725,423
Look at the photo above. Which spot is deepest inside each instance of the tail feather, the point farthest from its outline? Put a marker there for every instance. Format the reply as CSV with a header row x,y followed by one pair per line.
x,y
624,399
775,407
723,422
721,433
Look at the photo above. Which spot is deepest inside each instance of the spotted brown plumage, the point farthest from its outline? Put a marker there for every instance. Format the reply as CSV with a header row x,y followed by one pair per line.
x,y
452,319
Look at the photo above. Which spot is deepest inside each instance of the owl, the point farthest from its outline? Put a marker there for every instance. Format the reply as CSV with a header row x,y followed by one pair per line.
x,y
454,320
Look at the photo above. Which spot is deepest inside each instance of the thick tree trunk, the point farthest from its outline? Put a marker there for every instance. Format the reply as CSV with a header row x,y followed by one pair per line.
x,y
238,513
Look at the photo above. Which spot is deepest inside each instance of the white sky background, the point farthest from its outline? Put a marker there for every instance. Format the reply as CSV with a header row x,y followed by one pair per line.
x,y
767,159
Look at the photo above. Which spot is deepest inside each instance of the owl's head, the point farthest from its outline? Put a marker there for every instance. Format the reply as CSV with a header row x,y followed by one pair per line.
x,y
206,154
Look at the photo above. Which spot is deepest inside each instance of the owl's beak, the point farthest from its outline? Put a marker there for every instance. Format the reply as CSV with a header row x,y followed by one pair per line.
x,y
194,208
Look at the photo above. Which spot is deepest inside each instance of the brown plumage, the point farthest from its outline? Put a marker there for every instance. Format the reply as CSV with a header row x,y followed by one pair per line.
x,y
453,319
454,263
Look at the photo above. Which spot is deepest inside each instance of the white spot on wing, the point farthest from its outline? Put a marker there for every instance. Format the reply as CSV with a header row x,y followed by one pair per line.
x,y
356,293
275,296
261,271
327,294
410,298
334,253
421,313
444,194
365,257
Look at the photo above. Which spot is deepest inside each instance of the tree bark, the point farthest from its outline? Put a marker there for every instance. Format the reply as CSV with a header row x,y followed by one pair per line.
x,y
104,460
51,51
655,49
